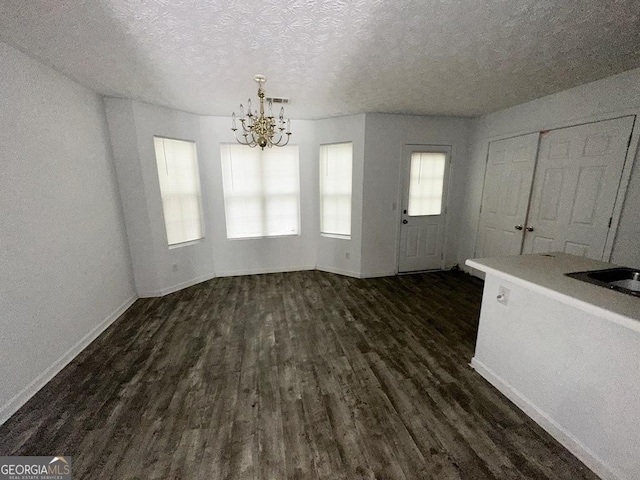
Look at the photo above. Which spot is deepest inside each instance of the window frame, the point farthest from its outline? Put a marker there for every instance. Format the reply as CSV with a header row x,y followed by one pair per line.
x,y
198,182
263,197
341,236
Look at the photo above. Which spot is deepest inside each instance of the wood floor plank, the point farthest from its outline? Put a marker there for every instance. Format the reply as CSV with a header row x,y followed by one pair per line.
x,y
302,375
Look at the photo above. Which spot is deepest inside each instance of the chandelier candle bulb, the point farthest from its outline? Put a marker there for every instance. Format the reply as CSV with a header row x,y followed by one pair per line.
x,y
233,121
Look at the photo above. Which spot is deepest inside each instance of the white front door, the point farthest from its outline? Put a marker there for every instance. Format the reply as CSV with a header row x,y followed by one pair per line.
x,y
575,187
425,176
505,199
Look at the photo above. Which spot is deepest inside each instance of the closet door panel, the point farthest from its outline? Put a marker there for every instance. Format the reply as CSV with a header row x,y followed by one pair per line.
x,y
510,166
576,182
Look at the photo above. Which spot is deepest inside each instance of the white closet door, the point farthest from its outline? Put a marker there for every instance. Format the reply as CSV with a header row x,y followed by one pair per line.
x,y
505,199
575,187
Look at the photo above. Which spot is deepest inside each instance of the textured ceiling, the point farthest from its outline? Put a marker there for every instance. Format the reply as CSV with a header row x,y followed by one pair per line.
x,y
442,57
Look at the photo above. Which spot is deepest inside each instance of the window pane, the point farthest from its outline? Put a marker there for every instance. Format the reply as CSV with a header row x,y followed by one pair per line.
x,y
280,210
244,216
261,191
177,163
336,165
426,183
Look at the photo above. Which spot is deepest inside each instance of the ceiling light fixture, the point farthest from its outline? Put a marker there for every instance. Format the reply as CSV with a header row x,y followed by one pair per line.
x,y
260,130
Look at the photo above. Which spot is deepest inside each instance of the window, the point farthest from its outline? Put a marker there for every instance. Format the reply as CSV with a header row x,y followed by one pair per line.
x,y
335,189
177,163
426,183
261,191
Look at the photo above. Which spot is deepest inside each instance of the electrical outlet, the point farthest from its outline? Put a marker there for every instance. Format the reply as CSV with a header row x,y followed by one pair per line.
x,y
174,267
347,255
503,295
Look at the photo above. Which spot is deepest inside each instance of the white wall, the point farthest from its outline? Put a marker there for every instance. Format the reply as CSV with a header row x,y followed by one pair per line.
x,y
573,372
262,255
385,137
158,269
124,142
378,141
608,98
332,253
65,271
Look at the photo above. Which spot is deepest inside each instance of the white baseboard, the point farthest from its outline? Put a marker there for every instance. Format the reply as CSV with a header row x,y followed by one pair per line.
x,y
177,286
20,398
338,271
378,274
563,436
260,271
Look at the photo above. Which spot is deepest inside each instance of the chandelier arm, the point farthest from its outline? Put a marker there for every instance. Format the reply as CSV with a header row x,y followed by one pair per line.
x,y
288,137
240,141
277,143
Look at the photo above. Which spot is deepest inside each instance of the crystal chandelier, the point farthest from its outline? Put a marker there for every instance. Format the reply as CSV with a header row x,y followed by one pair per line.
x,y
261,131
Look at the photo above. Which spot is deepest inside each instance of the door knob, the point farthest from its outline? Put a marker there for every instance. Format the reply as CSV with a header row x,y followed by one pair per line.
x,y
405,221
518,227
529,229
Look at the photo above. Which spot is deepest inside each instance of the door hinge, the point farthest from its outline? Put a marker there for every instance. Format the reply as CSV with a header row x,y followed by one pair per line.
x,y
610,220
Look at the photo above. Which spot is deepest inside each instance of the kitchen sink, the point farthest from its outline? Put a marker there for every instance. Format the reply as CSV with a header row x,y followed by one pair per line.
x,y
622,279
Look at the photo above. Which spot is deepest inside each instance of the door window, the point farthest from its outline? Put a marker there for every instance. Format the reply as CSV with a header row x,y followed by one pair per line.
x,y
426,182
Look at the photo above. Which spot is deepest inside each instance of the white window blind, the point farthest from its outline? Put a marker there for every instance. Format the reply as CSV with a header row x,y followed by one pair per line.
x,y
426,183
261,191
336,165
177,163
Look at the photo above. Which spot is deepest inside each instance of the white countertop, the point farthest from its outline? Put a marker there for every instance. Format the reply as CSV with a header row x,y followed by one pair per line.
x,y
545,273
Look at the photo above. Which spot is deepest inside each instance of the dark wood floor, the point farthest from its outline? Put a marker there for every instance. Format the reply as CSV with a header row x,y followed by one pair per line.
x,y
303,375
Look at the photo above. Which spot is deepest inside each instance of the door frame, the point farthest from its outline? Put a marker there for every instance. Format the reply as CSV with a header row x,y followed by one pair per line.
x,y
407,150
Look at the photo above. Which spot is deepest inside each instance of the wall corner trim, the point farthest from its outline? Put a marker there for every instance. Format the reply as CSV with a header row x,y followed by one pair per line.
x,y
23,396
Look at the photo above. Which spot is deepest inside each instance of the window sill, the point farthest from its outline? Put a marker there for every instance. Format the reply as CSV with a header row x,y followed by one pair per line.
x,y
335,235
285,235
186,244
